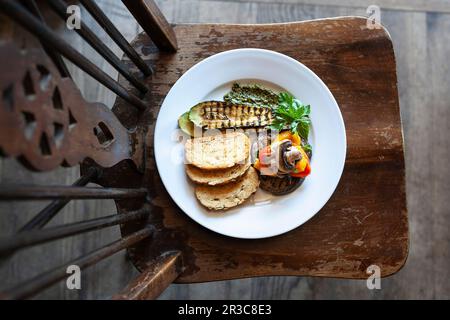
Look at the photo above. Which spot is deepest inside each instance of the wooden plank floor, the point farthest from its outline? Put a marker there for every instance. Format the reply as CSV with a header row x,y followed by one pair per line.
x,y
419,30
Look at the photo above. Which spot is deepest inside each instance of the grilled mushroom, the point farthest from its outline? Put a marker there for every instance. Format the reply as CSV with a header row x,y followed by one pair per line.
x,y
287,156
283,183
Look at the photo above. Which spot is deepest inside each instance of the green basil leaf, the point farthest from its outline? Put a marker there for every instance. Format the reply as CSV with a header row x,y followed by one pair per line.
x,y
293,114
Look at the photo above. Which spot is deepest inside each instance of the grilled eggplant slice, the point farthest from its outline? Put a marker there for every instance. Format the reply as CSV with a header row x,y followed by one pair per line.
x,y
222,115
280,185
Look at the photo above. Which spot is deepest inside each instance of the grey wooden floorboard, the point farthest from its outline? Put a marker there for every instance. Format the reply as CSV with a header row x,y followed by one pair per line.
x,y
438,47
403,5
421,42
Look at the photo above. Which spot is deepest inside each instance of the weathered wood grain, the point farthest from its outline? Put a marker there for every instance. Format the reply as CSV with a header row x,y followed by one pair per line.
x,y
425,274
148,15
423,89
365,222
439,103
155,279
406,5
422,277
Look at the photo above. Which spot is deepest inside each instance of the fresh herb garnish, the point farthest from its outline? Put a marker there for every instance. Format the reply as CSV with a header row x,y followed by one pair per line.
x,y
293,114
307,147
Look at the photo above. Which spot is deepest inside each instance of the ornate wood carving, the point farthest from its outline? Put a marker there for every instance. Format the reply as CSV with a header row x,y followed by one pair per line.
x,y
45,122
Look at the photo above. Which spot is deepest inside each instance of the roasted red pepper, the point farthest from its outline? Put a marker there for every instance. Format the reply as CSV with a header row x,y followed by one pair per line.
x,y
264,156
304,173
302,167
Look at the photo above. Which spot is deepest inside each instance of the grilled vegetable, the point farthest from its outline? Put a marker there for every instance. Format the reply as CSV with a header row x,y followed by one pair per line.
x,y
304,173
280,186
218,115
185,124
264,156
294,137
302,167
288,156
252,95
284,160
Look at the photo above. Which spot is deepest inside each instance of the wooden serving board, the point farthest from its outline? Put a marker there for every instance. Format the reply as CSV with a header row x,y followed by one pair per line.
x,y
364,223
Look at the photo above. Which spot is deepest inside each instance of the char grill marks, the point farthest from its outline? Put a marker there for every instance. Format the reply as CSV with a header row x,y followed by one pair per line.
x,y
218,115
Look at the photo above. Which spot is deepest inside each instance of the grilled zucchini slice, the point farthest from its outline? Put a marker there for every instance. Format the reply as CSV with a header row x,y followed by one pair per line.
x,y
222,115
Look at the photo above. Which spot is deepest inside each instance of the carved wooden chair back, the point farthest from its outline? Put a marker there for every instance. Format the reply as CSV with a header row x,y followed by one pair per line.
x,y
46,123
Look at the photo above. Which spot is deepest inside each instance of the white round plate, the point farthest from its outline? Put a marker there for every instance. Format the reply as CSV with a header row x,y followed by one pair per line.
x,y
263,215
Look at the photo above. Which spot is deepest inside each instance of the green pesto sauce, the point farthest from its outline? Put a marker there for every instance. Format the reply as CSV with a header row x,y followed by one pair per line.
x,y
252,95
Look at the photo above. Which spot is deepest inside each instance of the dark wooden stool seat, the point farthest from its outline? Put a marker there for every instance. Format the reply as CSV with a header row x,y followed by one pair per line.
x,y
364,223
